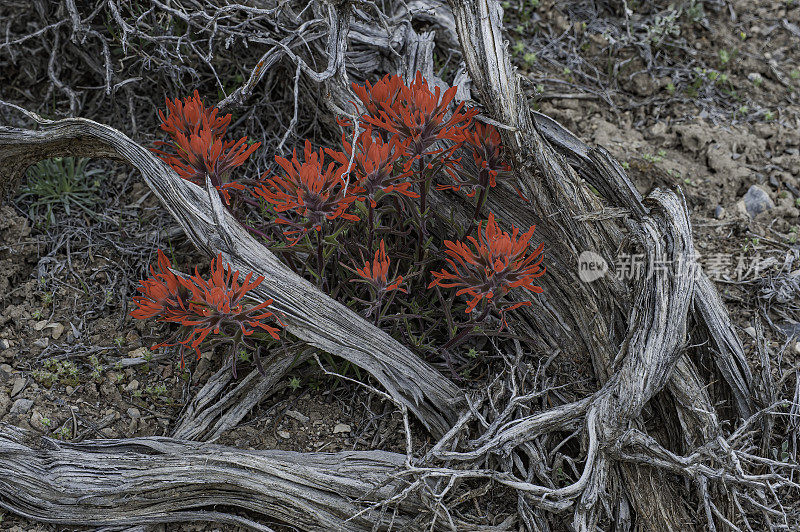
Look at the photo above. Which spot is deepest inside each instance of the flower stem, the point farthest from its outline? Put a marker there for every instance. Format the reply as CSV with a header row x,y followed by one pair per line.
x,y
423,205
320,263
477,212
371,226
463,334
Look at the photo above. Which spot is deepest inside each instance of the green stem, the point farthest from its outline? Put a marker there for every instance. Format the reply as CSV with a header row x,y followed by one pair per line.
x,y
423,205
320,260
476,213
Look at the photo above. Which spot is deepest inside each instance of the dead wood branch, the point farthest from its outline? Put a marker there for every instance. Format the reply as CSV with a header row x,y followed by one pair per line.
x,y
161,480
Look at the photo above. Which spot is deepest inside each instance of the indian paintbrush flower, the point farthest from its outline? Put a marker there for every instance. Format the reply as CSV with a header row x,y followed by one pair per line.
x,y
414,113
197,149
311,190
203,307
376,274
495,264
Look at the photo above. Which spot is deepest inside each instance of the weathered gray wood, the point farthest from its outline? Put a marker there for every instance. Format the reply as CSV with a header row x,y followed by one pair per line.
x,y
600,170
210,413
161,480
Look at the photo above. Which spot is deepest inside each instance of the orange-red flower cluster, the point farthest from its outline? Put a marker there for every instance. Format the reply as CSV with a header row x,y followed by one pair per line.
x,y
414,134
309,189
497,264
197,149
376,167
414,113
483,142
377,273
202,306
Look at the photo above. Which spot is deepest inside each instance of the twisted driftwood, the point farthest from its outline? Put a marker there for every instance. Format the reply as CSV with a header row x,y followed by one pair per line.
x,y
636,337
156,480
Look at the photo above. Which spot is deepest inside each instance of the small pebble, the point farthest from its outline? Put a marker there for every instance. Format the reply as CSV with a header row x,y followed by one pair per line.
x,y
284,434
298,416
42,342
56,330
39,325
719,212
755,77
134,413
19,384
757,201
21,406
138,353
341,428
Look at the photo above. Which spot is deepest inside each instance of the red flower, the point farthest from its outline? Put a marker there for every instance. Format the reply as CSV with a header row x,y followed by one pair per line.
x,y
414,112
497,265
164,298
203,154
184,117
377,273
383,93
374,167
314,192
199,149
202,307
484,143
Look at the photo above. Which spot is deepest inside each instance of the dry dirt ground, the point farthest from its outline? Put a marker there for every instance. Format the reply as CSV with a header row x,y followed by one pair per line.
x,y
716,112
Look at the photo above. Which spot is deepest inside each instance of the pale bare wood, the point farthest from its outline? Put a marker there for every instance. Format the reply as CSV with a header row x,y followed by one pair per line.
x,y
152,480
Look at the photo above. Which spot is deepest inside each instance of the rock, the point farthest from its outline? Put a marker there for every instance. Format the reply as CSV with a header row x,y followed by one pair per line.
x,y
42,342
138,353
56,330
39,325
19,384
4,375
755,78
757,201
298,416
134,413
7,368
284,434
719,212
341,428
21,406
4,344
5,400
131,386
36,420
69,390
796,350
642,84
